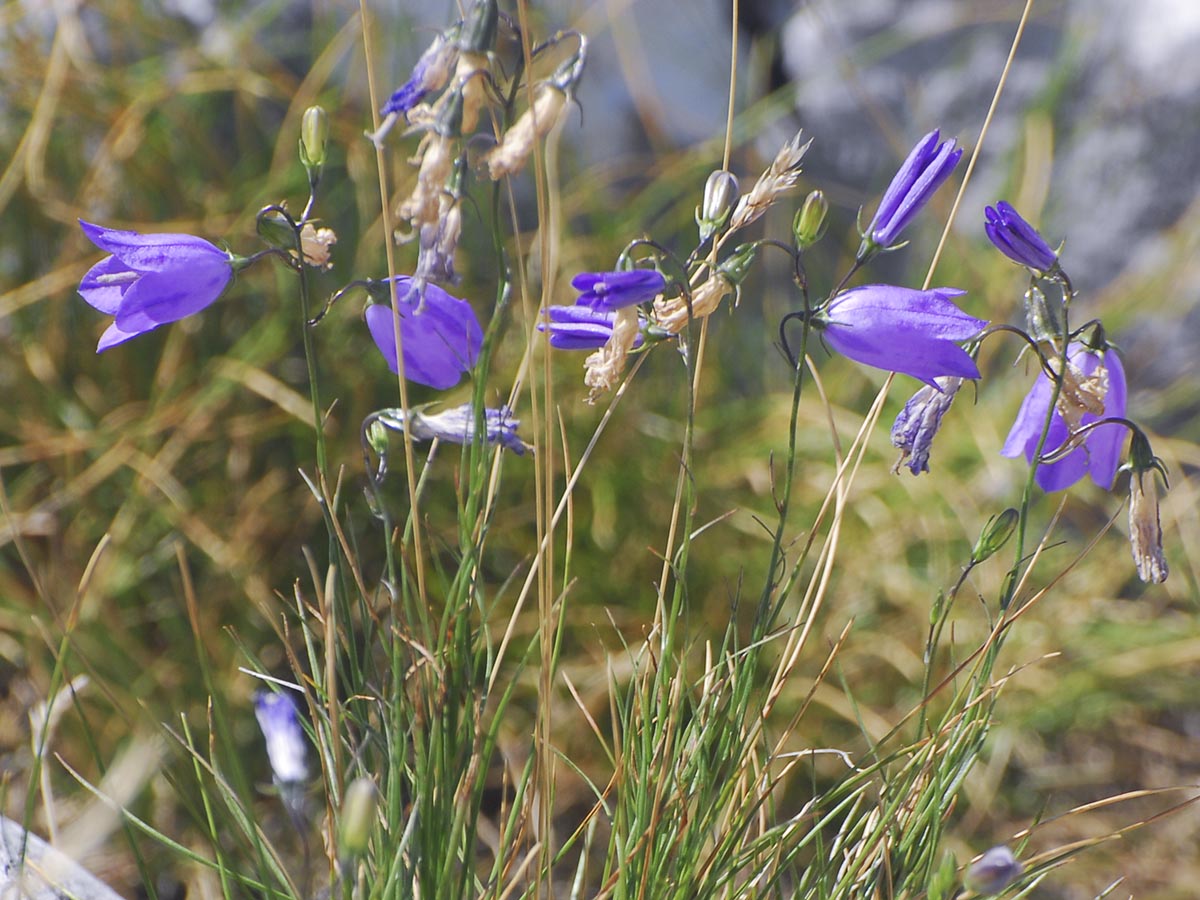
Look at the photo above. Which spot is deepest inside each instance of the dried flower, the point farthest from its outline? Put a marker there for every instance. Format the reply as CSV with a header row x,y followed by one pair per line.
x,y
993,871
1094,387
927,166
781,176
431,73
535,123
918,423
581,328
1017,239
439,242
673,315
1145,527
902,330
151,279
456,425
437,165
316,244
610,291
603,369
440,334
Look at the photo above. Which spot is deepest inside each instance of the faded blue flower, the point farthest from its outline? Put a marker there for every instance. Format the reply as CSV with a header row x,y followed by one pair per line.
x,y
902,330
456,425
1094,388
286,744
927,166
918,423
610,291
431,73
440,334
151,279
993,872
580,328
1017,239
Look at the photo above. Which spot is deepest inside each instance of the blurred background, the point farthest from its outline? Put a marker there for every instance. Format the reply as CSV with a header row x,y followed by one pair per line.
x,y
179,451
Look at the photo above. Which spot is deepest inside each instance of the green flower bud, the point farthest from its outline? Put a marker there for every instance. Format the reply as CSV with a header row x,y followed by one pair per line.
x,y
737,265
377,436
358,817
314,133
995,534
720,196
1041,321
276,229
809,225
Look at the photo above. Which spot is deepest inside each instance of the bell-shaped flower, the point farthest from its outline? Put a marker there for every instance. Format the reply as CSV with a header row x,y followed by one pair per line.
x,y
286,744
151,279
918,423
1017,239
928,165
902,330
1093,388
580,328
440,334
993,872
456,425
610,291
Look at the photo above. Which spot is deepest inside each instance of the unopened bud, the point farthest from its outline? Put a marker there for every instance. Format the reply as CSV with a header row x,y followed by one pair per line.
x,y
736,267
993,872
995,534
1041,321
314,133
479,29
809,225
276,229
377,436
358,817
720,195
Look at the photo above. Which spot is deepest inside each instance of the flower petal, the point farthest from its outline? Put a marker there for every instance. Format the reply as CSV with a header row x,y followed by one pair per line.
x,y
154,252
114,335
160,297
103,286
885,306
441,341
910,353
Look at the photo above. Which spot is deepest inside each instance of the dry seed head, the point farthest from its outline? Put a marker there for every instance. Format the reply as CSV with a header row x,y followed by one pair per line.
x,y
510,154
1145,528
316,244
672,315
781,176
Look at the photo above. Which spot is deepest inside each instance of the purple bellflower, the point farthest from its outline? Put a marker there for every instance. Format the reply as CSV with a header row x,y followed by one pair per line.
x,y
151,279
902,330
580,328
440,334
918,423
1017,239
993,871
610,291
457,425
1094,388
286,744
927,166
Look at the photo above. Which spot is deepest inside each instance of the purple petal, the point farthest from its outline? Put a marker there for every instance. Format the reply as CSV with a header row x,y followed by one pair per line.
x,y
1104,445
885,306
910,353
114,335
917,159
102,286
923,188
157,298
154,252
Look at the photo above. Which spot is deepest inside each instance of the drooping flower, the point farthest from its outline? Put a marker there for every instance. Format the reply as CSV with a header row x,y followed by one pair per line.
x,y
440,334
674,314
456,425
1145,527
580,328
286,744
151,279
927,166
918,423
1017,239
431,73
902,330
1094,387
993,871
610,291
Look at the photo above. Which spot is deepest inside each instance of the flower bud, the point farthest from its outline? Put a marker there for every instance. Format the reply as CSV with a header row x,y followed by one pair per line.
x,y
276,229
358,817
1145,527
377,437
479,28
1041,321
314,133
995,535
809,225
993,872
720,195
